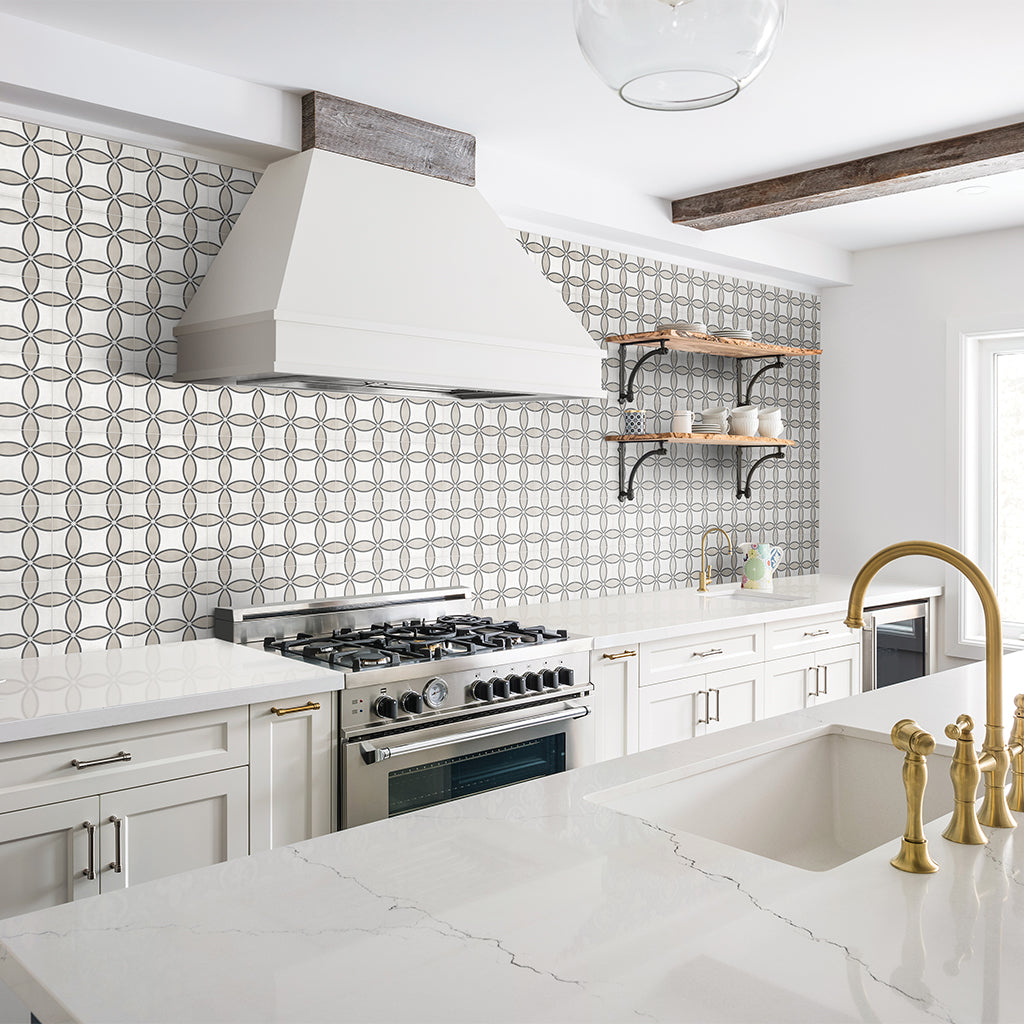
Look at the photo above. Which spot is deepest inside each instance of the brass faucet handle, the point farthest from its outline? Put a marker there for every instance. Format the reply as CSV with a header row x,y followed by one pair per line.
x,y
917,744
965,772
1015,798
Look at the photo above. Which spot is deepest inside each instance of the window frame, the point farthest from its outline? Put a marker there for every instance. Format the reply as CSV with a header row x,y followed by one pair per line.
x,y
972,446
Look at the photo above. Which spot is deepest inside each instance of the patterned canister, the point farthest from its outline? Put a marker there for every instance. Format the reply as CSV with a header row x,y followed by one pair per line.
x,y
636,421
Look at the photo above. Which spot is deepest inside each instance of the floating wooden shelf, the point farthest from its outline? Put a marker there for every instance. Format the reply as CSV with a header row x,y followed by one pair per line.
x,y
734,440
683,341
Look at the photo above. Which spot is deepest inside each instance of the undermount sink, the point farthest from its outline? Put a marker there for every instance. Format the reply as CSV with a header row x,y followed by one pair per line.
x,y
814,803
751,595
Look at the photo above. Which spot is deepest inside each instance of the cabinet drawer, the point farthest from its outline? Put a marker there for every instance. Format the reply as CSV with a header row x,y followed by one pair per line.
x,y
662,660
39,771
785,638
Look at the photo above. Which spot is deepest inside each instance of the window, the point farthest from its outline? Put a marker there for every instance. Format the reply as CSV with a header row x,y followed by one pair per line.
x,y
988,372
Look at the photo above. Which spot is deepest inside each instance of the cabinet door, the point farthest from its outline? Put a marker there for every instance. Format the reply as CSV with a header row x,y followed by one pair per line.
x,y
291,745
789,684
154,831
735,697
45,855
838,673
676,710
615,674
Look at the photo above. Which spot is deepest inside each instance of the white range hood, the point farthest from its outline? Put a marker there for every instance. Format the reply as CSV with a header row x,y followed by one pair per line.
x,y
346,275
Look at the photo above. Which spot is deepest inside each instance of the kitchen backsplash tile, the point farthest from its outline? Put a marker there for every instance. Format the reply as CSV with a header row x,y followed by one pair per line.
x,y
131,505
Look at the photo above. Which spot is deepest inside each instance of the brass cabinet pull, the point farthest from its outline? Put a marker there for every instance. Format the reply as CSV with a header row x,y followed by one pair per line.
x,y
90,828
121,755
623,654
311,706
818,632
708,654
718,706
116,863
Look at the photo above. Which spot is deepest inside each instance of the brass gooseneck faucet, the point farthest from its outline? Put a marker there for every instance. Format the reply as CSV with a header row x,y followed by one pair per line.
x,y
995,756
703,588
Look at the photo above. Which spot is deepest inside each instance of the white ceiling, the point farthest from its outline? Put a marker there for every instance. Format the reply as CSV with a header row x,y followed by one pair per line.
x,y
847,79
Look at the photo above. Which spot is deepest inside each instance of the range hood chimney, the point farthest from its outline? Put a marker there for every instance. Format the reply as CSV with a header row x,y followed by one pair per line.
x,y
369,263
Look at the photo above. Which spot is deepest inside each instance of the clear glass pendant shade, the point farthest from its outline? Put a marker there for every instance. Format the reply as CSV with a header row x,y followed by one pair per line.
x,y
681,55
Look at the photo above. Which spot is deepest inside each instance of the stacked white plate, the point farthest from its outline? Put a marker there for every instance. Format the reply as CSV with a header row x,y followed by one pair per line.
x,y
696,327
706,428
735,334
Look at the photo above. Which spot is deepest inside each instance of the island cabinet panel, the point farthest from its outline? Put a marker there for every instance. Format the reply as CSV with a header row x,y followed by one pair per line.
x,y
291,770
615,674
154,831
663,660
840,673
45,855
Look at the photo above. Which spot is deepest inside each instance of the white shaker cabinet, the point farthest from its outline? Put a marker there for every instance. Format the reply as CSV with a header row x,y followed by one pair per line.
x,y
804,680
292,765
615,674
680,709
159,830
46,854
91,811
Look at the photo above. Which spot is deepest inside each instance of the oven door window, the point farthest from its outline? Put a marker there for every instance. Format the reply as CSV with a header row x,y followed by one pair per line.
x,y
434,783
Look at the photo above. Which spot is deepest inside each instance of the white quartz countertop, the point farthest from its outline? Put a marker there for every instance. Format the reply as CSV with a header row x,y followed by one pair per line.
x,y
535,903
70,692
659,615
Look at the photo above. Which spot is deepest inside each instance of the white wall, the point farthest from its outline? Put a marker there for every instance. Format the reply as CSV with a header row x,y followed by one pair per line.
x,y
884,464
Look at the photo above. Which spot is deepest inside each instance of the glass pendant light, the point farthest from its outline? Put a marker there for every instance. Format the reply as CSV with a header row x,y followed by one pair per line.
x,y
678,54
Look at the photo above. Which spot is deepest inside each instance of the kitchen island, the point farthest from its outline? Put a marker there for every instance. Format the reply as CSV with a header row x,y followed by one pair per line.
x,y
540,903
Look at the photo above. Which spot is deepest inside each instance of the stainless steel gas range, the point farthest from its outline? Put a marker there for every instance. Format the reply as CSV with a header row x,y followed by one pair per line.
x,y
437,702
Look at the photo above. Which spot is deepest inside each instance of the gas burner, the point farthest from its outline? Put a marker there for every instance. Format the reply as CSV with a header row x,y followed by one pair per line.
x,y
363,657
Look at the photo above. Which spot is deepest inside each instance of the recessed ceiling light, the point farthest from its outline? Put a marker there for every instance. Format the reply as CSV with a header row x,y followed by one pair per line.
x,y
974,190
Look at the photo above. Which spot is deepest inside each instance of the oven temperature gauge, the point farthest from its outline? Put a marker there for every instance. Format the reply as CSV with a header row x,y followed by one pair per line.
x,y
435,692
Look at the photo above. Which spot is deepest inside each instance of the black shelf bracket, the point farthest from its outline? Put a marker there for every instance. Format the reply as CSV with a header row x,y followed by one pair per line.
x,y
626,490
626,387
743,486
743,397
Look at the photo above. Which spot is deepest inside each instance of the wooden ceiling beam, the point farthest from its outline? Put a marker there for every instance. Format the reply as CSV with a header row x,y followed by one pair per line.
x,y
901,170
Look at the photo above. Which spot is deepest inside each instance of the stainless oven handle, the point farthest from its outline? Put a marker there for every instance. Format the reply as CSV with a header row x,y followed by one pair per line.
x,y
372,754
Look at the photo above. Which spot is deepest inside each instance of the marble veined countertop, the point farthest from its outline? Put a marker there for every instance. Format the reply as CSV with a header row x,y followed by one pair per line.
x,y
537,903
69,692
662,614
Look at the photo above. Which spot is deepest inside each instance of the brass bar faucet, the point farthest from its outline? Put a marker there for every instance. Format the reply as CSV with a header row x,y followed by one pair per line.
x,y
995,757
917,744
703,588
965,772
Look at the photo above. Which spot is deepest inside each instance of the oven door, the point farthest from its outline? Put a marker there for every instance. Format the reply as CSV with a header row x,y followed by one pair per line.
x,y
399,770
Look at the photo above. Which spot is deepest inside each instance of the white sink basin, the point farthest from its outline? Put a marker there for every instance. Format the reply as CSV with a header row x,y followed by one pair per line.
x,y
815,802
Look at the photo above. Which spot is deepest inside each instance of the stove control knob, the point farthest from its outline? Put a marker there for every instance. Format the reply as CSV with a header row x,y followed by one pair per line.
x,y
549,679
412,702
386,707
565,676
533,682
502,687
483,690
517,684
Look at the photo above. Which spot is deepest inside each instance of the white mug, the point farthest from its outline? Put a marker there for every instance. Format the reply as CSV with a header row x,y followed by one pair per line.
x,y
682,421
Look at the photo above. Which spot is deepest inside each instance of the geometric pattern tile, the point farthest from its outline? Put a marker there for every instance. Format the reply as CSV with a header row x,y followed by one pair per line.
x,y
130,505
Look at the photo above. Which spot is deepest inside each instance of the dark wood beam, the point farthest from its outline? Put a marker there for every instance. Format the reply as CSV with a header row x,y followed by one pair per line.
x,y
901,170
384,137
